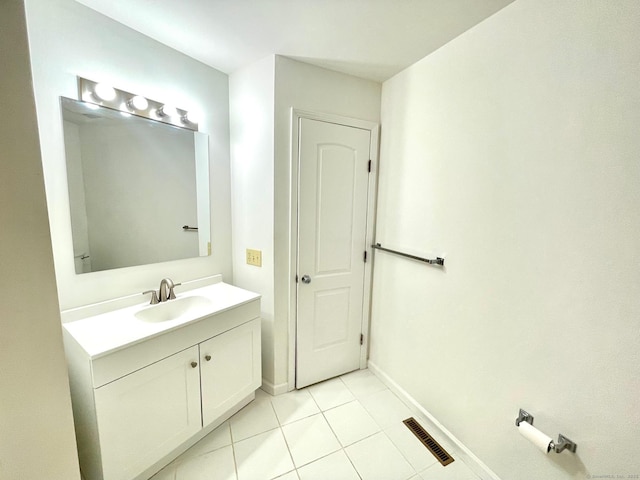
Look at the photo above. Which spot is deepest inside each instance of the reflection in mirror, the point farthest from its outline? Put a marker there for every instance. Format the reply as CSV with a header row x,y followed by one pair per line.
x,y
134,184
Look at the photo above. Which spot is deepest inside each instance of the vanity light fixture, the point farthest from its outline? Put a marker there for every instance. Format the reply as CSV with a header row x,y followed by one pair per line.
x,y
96,93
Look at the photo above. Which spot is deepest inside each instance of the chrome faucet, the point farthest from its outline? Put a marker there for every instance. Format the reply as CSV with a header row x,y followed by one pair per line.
x,y
165,292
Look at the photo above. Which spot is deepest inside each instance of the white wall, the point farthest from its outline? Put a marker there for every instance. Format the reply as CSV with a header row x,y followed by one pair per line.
x,y
514,151
36,427
304,87
261,98
69,40
251,93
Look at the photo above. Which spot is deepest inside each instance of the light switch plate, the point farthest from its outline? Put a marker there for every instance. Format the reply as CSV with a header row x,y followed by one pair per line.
x,y
254,257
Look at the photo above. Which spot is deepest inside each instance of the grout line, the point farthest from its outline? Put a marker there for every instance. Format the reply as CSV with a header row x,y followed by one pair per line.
x,y
233,449
284,438
344,449
352,464
256,434
288,449
313,398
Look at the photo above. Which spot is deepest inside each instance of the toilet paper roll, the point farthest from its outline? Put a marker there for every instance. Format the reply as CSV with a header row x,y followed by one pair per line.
x,y
535,436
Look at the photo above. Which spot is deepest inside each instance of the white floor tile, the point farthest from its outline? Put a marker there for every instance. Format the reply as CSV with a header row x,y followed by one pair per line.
x,y
216,465
309,439
331,393
351,422
263,456
334,467
362,383
261,396
377,458
294,406
257,417
348,428
293,475
411,448
220,437
385,408
454,471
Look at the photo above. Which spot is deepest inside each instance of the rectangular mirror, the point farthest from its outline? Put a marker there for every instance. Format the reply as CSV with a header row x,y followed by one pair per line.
x,y
138,188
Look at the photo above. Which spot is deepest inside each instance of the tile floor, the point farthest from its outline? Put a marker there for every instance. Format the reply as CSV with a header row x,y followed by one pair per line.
x,y
347,428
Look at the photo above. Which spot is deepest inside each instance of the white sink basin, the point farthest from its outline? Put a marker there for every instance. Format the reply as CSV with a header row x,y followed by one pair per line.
x,y
177,309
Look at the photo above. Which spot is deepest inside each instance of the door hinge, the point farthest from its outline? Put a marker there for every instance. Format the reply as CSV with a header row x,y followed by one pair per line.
x,y
365,256
369,167
362,339
296,278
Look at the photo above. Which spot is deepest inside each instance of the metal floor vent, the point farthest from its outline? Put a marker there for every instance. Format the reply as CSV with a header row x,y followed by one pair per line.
x,y
428,441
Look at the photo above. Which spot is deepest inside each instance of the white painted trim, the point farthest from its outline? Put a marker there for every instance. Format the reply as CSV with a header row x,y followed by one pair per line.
x,y
374,128
472,461
272,389
372,204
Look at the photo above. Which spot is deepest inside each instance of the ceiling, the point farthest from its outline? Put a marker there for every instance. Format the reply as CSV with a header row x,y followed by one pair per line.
x,y
373,39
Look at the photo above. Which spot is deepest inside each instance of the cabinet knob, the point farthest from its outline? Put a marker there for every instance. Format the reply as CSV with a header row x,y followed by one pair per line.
x,y
194,364
207,357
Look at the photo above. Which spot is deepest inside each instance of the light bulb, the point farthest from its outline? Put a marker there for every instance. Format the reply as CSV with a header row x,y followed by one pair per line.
x,y
104,92
167,111
191,117
138,103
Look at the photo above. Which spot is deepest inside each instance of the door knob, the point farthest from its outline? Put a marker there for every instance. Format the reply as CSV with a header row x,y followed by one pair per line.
x,y
207,357
306,279
194,364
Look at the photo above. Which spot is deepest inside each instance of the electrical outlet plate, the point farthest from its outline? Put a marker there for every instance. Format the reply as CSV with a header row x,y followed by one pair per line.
x,y
254,257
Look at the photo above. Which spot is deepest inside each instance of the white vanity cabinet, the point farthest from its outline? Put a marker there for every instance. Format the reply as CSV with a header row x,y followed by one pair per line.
x,y
147,414
228,369
140,404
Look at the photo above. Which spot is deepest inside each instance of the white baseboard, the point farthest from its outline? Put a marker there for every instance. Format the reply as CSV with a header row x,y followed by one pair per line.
x,y
272,389
473,462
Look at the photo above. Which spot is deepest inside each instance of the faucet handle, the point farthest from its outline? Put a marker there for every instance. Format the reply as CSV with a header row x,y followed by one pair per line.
x,y
172,295
154,296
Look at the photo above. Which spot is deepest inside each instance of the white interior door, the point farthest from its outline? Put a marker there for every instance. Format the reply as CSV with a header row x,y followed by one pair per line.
x,y
332,222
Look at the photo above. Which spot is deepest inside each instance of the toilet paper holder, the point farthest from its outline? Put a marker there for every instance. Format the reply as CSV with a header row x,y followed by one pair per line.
x,y
562,443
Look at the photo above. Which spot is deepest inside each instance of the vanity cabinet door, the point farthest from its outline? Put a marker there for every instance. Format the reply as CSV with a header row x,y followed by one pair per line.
x,y
145,415
230,369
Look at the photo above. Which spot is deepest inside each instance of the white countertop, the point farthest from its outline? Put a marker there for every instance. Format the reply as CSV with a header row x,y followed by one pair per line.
x,y
105,333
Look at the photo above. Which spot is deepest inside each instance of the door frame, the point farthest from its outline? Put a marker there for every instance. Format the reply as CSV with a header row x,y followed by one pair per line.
x,y
374,129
